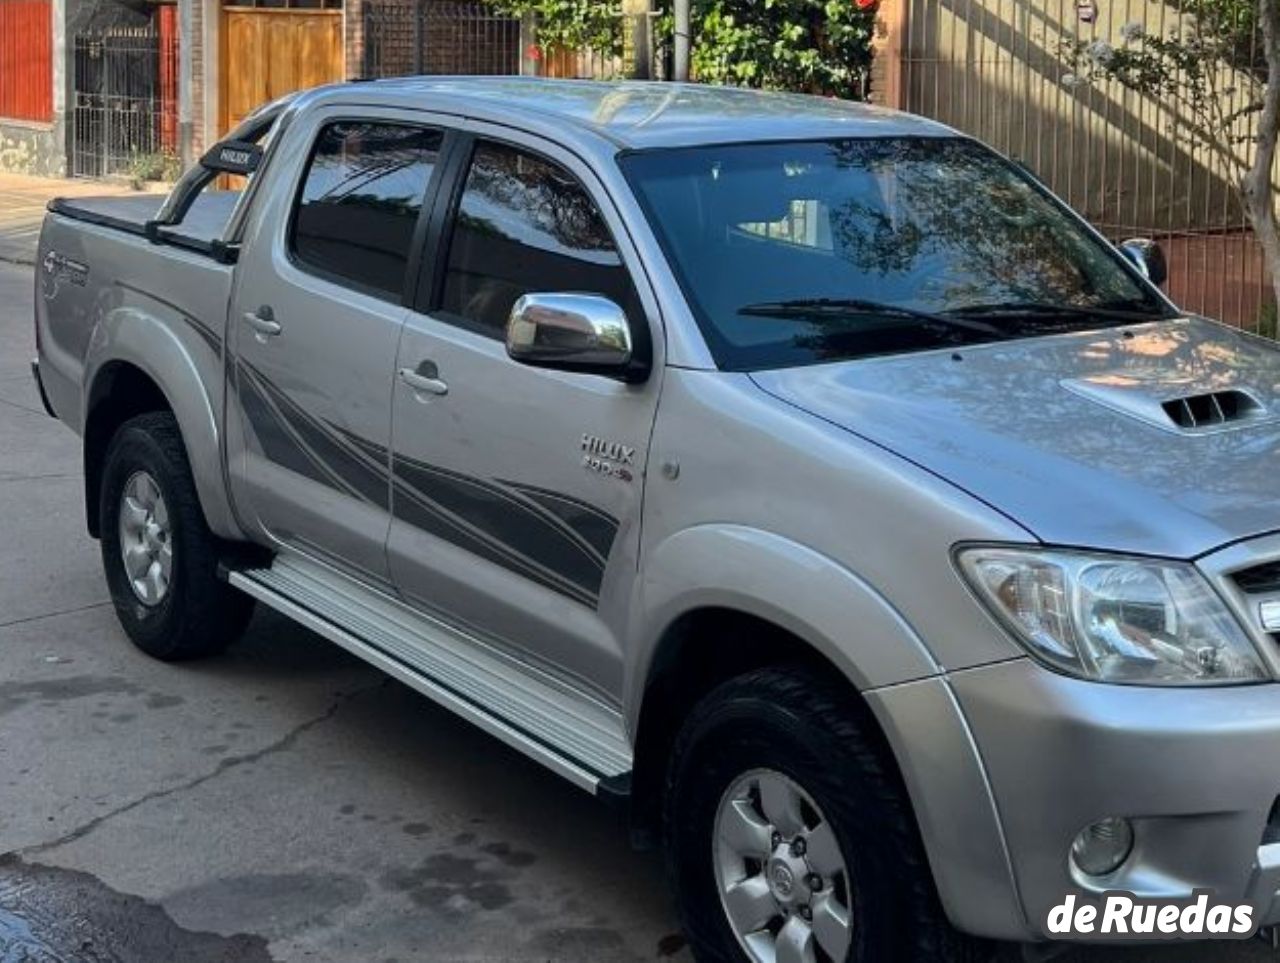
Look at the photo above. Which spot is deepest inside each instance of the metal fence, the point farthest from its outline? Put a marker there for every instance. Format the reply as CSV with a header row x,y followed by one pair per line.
x,y
994,68
404,37
124,113
438,37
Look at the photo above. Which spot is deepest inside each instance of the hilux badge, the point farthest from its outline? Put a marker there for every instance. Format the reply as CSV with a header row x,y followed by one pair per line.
x,y
611,458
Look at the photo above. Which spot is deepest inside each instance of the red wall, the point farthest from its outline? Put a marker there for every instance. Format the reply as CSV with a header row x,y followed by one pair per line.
x,y
26,60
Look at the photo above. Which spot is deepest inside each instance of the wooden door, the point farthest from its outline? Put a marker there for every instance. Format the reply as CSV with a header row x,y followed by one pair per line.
x,y
267,53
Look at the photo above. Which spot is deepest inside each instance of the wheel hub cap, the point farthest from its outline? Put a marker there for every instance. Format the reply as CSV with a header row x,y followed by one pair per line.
x,y
786,875
781,875
146,547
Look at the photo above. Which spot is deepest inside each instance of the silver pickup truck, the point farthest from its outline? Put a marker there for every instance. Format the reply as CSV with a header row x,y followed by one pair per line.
x,y
799,475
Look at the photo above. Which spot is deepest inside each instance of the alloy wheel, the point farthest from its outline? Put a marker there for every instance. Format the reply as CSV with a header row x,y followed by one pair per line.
x,y
146,542
781,876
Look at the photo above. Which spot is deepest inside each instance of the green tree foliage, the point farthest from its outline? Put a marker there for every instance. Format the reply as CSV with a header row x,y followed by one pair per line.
x,y
811,46
1219,68
571,24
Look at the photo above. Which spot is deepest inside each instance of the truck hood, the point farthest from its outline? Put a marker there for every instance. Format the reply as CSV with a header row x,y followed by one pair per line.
x,y
1161,438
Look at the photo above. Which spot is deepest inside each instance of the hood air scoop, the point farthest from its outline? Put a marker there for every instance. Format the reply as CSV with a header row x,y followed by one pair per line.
x,y
1197,413
1211,410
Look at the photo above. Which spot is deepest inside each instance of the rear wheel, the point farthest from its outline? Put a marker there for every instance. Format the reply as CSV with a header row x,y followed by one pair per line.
x,y
159,555
790,840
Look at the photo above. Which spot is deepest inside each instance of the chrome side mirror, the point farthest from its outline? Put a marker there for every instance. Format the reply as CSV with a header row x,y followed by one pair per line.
x,y
1148,257
578,332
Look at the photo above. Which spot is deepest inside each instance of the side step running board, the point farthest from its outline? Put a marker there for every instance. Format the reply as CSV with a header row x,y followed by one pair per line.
x,y
568,732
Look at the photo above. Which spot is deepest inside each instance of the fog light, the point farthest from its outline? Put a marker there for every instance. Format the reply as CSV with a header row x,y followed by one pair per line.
x,y
1103,846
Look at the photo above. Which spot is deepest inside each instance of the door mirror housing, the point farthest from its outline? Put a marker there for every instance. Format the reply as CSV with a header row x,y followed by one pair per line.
x,y
573,332
1148,257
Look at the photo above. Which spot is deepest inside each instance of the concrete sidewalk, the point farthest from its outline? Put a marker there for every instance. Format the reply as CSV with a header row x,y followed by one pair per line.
x,y
22,205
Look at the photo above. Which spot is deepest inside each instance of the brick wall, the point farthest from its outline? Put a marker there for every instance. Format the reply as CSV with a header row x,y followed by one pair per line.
x,y
353,25
198,61
886,45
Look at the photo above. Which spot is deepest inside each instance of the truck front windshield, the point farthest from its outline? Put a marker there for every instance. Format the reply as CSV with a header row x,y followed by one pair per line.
x,y
802,252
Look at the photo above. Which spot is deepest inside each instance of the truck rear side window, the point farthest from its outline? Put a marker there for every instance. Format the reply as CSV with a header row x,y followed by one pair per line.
x,y
360,201
526,224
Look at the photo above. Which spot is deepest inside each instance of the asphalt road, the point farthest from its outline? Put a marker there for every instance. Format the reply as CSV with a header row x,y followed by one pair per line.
x,y
282,802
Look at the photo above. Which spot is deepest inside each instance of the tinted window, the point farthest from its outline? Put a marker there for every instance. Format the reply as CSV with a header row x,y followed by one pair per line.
x,y
360,201
525,224
811,251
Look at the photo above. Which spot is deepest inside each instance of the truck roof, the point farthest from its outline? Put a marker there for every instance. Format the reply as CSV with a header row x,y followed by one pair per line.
x,y
640,114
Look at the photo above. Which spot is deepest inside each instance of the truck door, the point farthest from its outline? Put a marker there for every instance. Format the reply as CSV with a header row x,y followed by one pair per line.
x,y
316,317
517,490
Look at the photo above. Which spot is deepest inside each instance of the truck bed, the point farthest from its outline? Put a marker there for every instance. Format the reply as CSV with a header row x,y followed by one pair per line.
x,y
204,223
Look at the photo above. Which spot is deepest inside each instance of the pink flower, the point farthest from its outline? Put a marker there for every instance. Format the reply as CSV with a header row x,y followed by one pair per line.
x,y
533,52
865,4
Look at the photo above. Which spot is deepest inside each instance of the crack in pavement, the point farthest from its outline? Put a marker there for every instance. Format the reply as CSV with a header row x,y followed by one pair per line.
x,y
285,742
7,477
53,615
22,407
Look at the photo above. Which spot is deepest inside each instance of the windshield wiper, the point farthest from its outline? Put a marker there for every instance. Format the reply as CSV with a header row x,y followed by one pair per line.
x,y
1033,309
852,307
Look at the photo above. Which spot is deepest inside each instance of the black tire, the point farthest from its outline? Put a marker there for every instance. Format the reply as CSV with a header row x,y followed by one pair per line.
x,y
795,723
199,613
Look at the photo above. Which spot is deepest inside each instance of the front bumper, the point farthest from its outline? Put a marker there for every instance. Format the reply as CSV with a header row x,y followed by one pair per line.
x,y
1197,770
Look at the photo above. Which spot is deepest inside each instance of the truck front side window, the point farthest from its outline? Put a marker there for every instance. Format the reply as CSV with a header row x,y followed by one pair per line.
x,y
360,200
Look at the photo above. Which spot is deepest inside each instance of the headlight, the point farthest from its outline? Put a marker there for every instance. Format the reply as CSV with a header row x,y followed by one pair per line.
x,y
1114,619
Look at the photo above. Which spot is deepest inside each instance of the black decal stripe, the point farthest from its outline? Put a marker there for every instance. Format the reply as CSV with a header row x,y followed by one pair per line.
x,y
280,439
498,516
509,517
548,537
415,509
278,444
562,528
371,448
597,528
207,335
359,475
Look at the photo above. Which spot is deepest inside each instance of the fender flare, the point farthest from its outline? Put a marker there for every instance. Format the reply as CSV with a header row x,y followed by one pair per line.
x,y
845,619
129,336
759,573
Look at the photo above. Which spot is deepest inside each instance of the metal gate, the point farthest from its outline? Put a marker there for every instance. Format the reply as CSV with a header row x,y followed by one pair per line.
x,y
438,37
124,115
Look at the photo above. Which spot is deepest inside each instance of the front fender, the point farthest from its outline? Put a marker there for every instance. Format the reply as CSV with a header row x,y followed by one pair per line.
x,y
151,344
791,585
859,631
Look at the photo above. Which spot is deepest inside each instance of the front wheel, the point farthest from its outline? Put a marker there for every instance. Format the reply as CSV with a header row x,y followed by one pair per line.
x,y
789,840
160,557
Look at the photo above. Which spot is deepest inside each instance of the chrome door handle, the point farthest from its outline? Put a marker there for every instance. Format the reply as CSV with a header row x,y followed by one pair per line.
x,y
424,383
264,323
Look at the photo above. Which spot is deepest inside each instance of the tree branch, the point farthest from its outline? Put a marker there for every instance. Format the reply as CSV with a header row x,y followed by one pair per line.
x,y
1257,183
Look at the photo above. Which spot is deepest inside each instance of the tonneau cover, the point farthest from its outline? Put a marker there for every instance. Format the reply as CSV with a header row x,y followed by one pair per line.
x,y
205,222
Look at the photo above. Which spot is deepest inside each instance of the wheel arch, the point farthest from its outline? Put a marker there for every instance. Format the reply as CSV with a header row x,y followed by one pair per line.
x,y
698,650
811,597
138,364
